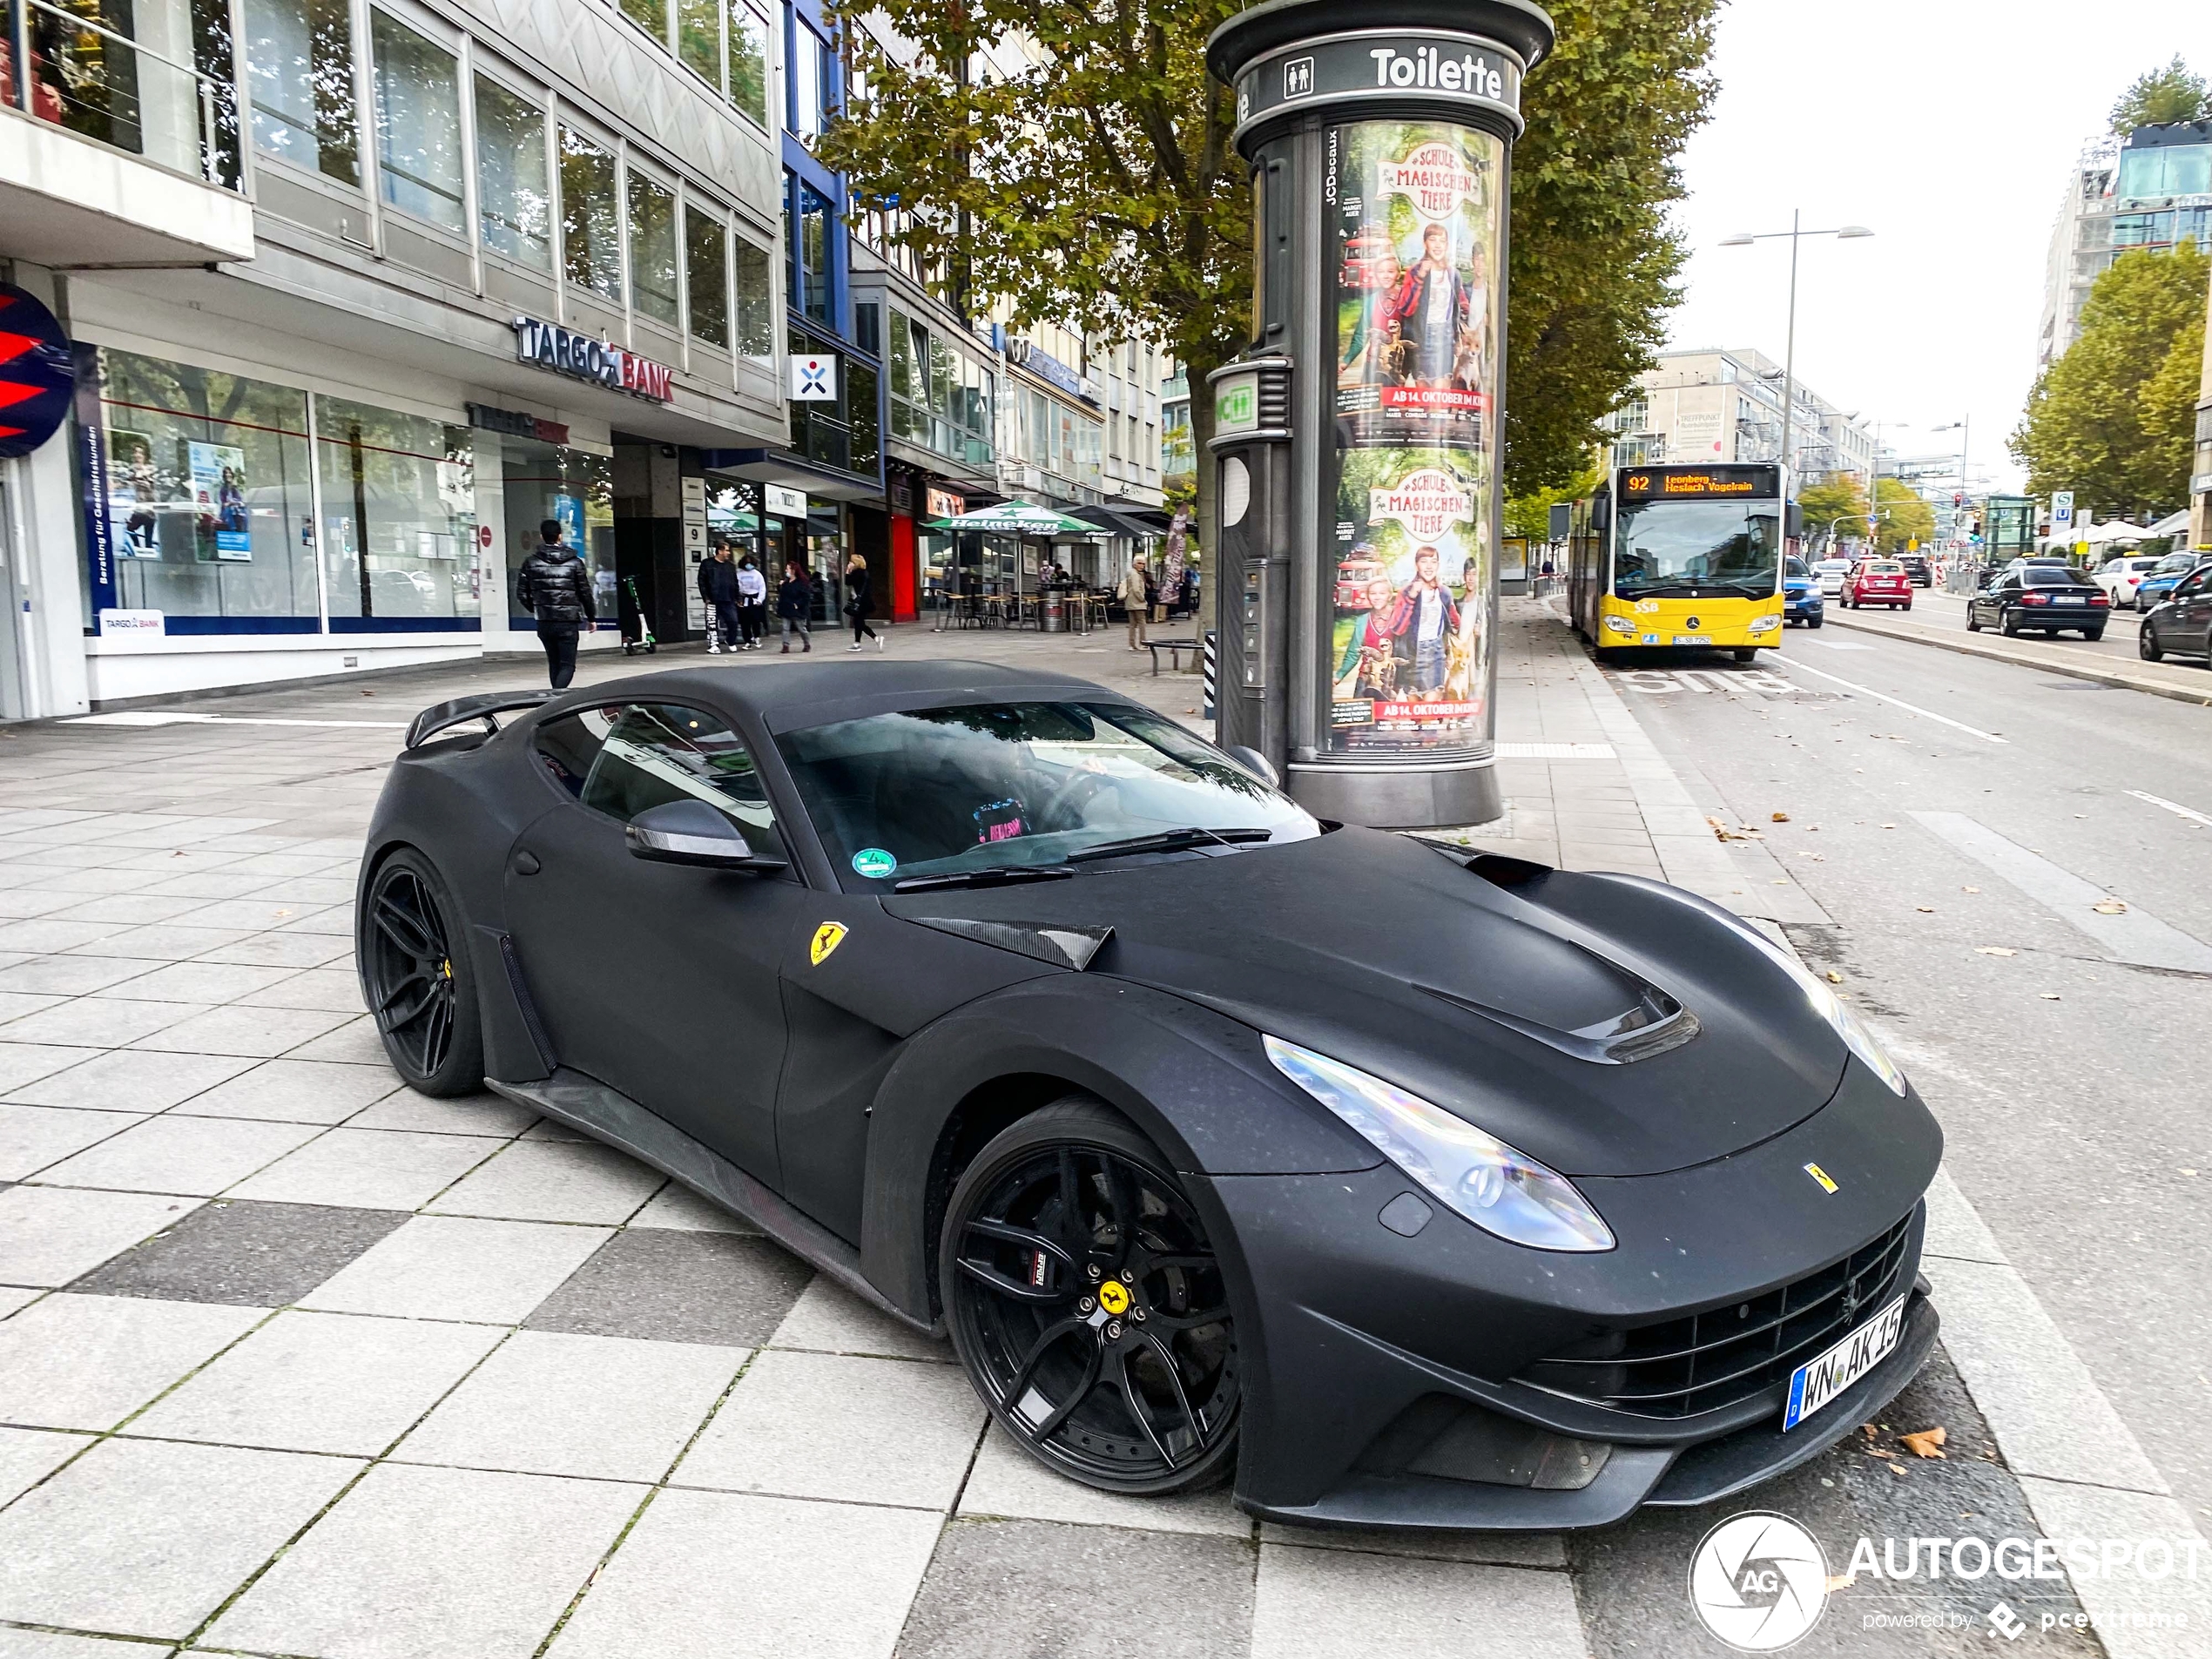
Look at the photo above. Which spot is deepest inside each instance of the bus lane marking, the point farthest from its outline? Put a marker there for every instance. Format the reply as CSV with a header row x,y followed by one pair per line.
x,y
1911,708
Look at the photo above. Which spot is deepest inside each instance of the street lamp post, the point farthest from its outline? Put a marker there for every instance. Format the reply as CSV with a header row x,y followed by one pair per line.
x,y
1790,348
1964,427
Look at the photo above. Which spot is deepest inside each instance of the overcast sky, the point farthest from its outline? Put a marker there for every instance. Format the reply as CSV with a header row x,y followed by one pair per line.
x,y
1947,127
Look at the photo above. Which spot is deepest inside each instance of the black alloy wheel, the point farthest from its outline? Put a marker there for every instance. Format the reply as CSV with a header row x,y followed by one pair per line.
x,y
2146,646
416,981
1088,1305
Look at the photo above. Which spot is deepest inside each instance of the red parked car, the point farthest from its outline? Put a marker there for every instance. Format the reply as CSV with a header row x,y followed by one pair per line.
x,y
1878,582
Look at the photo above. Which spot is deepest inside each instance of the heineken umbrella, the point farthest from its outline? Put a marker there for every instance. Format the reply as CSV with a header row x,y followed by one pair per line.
x,y
1017,518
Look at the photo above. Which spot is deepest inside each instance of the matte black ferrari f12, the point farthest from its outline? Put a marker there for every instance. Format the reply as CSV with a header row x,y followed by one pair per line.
x,y
1411,1187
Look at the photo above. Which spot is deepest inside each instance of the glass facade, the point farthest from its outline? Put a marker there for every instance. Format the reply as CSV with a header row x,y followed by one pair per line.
x,y
209,498
706,261
941,398
514,200
756,301
399,514
2165,170
652,249
221,488
418,125
590,230
300,74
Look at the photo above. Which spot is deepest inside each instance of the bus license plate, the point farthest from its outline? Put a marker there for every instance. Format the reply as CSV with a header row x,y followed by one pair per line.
x,y
1693,639
1820,1379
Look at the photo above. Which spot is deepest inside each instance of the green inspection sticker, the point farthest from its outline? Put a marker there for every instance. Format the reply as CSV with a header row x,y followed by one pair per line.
x,y
874,863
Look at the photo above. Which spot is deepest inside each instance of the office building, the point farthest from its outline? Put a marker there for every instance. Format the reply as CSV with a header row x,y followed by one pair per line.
x,y
2151,189
1716,406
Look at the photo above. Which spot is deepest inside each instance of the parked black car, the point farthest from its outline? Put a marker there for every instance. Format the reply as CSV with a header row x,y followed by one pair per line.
x,y
2182,625
2049,597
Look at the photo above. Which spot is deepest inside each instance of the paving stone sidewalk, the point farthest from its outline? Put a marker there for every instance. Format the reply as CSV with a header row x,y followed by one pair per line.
x,y
296,1361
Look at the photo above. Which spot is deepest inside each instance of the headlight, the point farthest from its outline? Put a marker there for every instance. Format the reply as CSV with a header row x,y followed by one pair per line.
x,y
1760,624
1832,1008
1494,1187
1620,625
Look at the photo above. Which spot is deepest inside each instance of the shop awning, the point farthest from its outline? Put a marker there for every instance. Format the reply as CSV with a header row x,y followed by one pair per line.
x,y
1016,518
1126,521
776,467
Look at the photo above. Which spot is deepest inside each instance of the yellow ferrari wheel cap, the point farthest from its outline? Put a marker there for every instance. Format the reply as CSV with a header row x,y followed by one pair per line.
x,y
1113,1296
827,938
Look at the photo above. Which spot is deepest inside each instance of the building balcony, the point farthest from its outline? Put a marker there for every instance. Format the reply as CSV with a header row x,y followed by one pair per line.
x,y
116,151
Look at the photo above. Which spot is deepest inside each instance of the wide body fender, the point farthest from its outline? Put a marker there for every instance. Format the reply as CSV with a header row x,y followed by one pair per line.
x,y
1196,1083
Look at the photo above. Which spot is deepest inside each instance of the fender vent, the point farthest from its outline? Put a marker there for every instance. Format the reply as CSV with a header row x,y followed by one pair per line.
x,y
531,1024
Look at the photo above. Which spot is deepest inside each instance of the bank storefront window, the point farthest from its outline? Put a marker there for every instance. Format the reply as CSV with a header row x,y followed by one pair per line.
x,y
210,517
541,481
399,516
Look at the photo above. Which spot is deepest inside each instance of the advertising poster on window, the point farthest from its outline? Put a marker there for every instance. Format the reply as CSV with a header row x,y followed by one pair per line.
x,y
1417,207
219,502
136,496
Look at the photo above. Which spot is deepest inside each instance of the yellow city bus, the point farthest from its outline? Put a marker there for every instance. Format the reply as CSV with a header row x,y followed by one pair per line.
x,y
1681,556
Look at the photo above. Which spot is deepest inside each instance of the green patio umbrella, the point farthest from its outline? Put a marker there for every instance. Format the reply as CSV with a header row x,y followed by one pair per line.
x,y
1017,518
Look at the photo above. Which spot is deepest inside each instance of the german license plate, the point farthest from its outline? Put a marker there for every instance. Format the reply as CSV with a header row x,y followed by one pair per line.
x,y
2069,599
1693,639
1820,1379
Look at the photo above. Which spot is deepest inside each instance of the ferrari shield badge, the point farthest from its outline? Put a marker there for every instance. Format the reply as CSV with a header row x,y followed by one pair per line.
x,y
1827,1182
827,938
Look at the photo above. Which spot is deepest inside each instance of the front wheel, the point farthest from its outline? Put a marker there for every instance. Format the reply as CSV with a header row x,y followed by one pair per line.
x,y
1746,653
409,936
1974,620
1816,622
1085,1302
2146,647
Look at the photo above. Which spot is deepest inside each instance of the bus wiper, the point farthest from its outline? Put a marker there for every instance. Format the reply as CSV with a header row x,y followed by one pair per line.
x,y
1002,876
1172,840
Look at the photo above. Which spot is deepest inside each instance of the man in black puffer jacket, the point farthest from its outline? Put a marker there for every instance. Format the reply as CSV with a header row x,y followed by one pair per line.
x,y
555,586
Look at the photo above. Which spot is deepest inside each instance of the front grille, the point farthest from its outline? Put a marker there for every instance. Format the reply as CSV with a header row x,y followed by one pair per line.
x,y
1680,1368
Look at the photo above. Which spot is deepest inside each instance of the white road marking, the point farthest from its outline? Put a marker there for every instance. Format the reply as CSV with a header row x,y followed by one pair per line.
x,y
2136,936
1836,644
149,717
1914,708
1554,752
2174,806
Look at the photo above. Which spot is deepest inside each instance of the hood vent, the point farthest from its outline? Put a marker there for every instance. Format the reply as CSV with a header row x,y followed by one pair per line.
x,y
1061,946
1655,1024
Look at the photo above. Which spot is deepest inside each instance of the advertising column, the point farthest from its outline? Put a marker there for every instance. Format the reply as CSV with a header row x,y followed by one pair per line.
x,y
1380,136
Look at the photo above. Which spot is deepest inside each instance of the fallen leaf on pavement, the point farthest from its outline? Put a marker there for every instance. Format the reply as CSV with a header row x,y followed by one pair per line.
x,y
1970,889
2110,908
1926,1443
1994,950
1843,1583
1870,1430
1781,817
1889,826
1926,909
1834,978
1894,1469
2189,1172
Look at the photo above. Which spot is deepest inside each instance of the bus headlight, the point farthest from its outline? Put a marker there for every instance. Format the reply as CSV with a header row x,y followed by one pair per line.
x,y
1761,625
1619,625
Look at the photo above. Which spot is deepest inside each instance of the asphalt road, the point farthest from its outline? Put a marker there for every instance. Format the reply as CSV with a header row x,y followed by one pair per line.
x,y
1948,610
1961,819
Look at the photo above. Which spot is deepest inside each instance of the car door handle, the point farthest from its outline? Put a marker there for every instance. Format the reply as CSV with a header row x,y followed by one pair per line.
x,y
525,862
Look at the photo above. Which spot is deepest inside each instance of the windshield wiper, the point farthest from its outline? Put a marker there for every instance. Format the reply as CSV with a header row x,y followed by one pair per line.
x,y
1001,877
1172,840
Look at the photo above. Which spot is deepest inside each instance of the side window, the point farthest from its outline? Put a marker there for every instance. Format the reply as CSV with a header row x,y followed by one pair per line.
x,y
658,752
567,748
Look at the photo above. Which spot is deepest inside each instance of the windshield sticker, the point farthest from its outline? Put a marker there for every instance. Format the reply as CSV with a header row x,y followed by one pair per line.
x,y
874,863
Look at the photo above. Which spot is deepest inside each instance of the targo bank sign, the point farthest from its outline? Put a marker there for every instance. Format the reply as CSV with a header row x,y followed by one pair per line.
x,y
566,352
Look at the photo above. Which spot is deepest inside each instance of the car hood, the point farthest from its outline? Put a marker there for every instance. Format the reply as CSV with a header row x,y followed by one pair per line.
x,y
1490,1000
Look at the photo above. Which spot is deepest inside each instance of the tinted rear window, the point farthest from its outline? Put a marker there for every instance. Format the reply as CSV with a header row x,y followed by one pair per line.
x,y
2043,575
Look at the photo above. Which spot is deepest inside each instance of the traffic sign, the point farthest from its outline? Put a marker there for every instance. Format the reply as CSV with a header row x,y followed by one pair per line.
x,y
2061,507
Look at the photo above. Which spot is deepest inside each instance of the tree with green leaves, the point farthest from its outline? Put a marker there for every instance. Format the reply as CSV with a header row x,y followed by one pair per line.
x,y
1529,516
1905,517
2111,420
1094,182
1836,496
2161,96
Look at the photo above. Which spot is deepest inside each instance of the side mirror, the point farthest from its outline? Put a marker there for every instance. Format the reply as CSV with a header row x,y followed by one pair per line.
x,y
1601,511
691,831
1794,522
1252,760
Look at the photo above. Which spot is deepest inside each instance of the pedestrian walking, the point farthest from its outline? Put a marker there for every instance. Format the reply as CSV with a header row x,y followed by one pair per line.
x,y
718,588
555,586
795,606
752,603
1134,593
858,585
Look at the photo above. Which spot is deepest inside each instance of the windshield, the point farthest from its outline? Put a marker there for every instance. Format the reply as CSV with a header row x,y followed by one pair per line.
x,y
1794,568
1008,785
1885,567
2174,561
1694,548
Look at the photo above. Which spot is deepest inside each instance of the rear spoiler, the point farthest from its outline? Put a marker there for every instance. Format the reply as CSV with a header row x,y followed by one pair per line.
x,y
439,716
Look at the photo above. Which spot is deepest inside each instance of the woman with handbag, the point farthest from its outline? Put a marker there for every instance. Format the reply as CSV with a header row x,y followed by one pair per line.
x,y
858,583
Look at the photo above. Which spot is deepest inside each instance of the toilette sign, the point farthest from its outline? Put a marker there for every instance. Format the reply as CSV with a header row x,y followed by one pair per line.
x,y
581,357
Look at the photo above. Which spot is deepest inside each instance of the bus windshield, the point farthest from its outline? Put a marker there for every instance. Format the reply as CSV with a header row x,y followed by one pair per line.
x,y
1698,548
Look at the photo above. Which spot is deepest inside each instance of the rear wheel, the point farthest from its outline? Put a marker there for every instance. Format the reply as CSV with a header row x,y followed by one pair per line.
x,y
1746,653
1087,1304
2092,635
2008,624
424,1000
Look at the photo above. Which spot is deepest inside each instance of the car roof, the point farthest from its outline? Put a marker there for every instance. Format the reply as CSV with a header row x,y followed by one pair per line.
x,y
786,697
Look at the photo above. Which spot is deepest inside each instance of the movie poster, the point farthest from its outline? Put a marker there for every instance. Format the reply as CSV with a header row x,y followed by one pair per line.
x,y
219,502
1417,215
136,495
